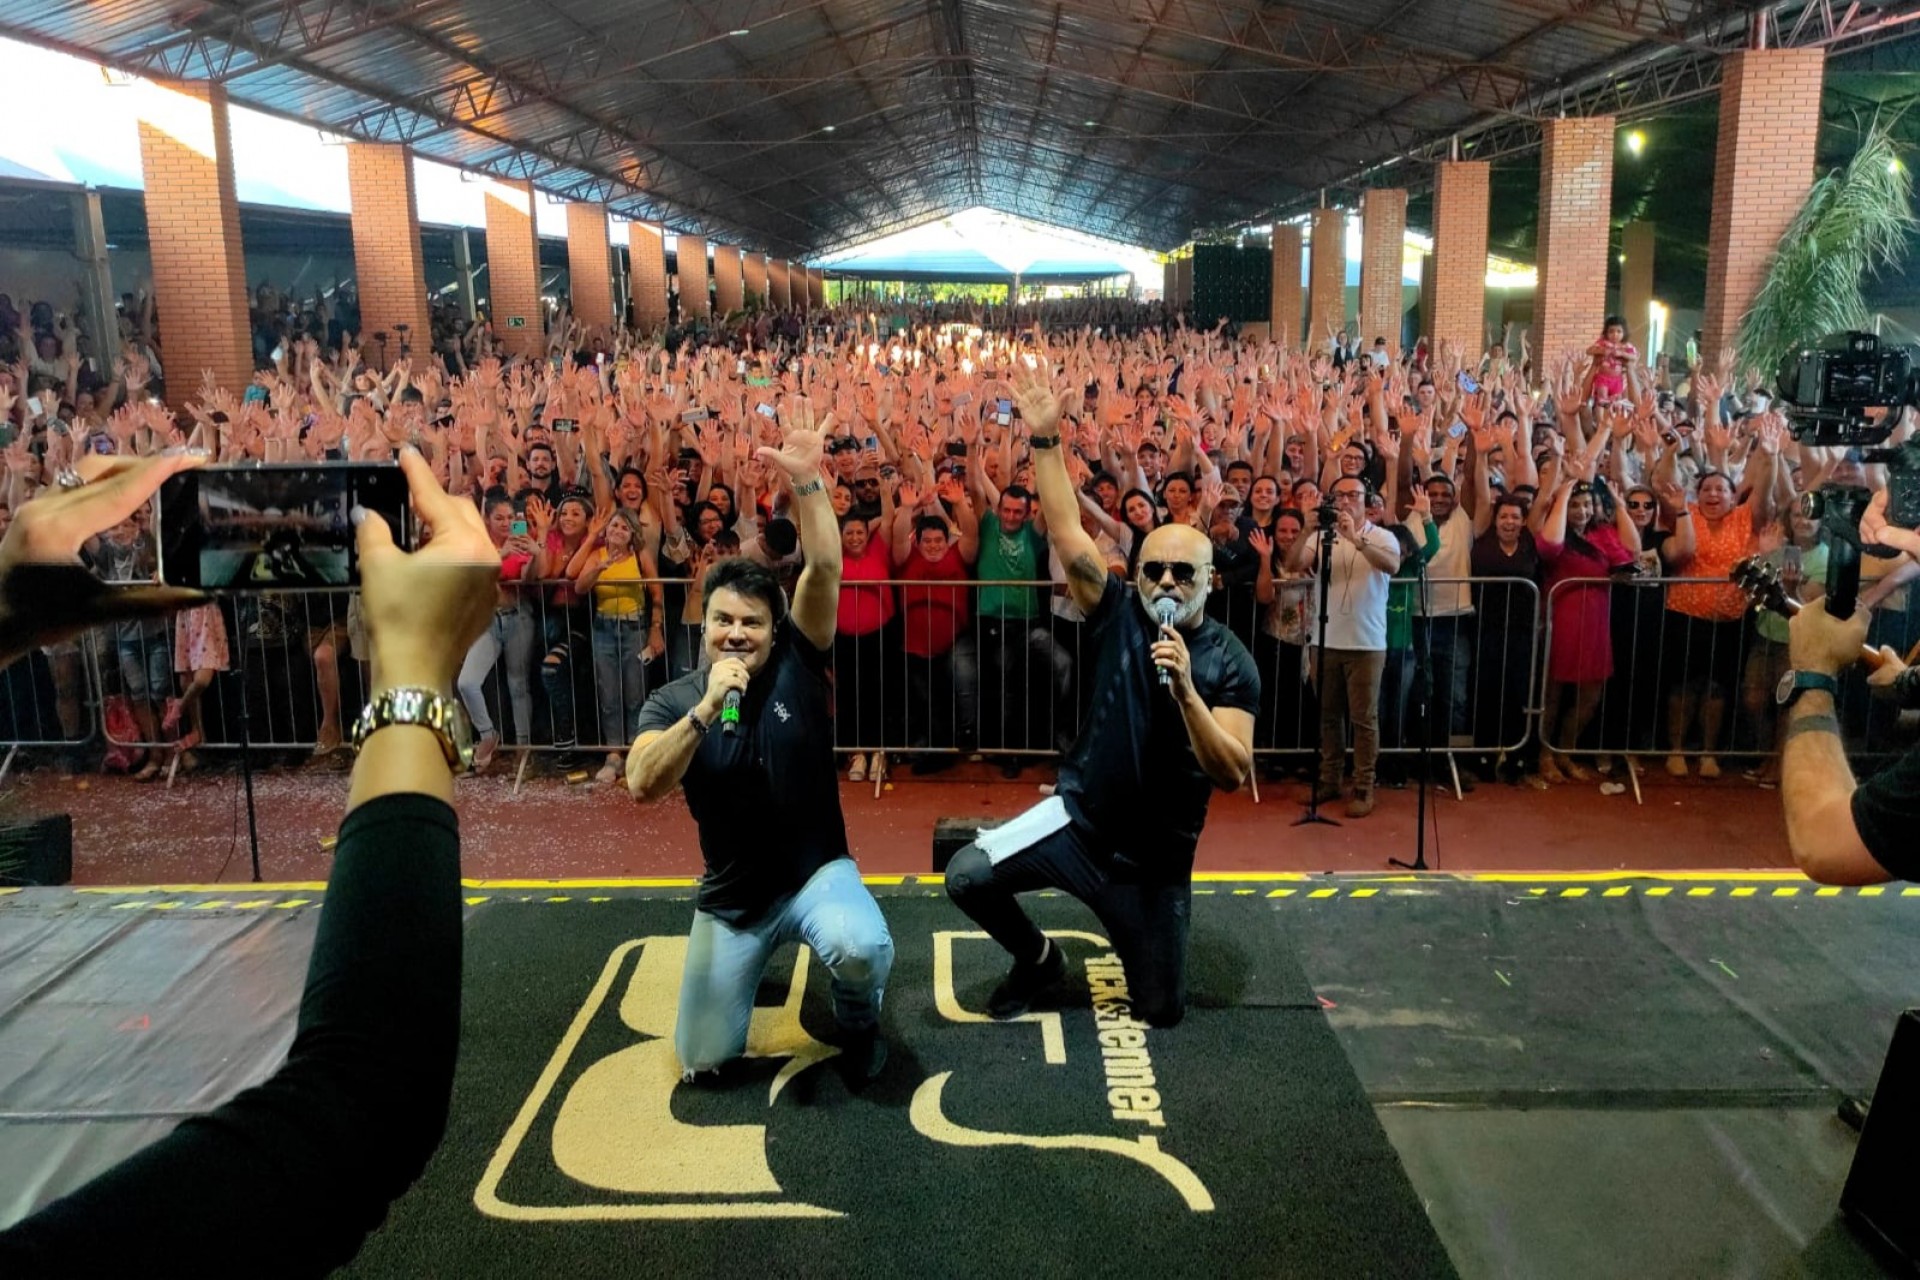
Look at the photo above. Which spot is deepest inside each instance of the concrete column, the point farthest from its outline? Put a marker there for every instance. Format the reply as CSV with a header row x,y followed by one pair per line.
x,y
389,264
1762,168
753,270
463,273
193,230
589,263
691,268
647,250
1183,280
780,283
1458,313
1576,198
1326,278
728,287
1636,283
1289,299
817,288
1169,282
90,247
1383,237
513,270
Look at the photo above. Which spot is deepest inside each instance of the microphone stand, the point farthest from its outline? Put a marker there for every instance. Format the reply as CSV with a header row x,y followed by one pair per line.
x,y
1422,677
1328,533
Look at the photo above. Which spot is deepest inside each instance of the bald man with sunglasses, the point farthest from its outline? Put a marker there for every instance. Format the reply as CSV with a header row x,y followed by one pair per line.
x,y
1172,712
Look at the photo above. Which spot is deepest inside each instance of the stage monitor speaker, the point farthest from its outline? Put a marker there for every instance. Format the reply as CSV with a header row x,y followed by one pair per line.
x,y
951,835
1879,1197
39,852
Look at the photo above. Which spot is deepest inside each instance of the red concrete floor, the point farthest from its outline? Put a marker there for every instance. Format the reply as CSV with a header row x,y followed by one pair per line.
x,y
132,833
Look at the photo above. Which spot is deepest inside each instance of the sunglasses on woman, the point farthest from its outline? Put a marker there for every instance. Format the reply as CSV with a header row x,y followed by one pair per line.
x,y
1183,573
1633,505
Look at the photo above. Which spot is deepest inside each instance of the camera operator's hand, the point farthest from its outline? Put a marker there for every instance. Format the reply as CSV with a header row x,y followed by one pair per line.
x,y
425,610
1875,529
1345,527
1884,675
46,593
1818,641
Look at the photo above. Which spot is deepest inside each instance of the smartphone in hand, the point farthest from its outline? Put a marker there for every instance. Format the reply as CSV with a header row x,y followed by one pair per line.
x,y
275,528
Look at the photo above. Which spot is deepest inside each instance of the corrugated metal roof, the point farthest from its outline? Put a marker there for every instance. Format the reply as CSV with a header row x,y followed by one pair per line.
x,y
829,122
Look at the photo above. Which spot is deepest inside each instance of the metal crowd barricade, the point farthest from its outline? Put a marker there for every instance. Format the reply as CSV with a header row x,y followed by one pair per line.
x,y
50,700
1624,670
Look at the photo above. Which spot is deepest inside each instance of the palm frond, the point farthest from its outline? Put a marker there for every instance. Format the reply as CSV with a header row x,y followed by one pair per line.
x,y
1853,224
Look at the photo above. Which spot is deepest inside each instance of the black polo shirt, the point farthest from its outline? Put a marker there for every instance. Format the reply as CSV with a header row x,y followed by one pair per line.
x,y
766,798
1886,811
1132,776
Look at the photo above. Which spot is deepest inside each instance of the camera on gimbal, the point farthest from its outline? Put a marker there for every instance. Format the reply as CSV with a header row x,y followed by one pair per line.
x,y
1848,391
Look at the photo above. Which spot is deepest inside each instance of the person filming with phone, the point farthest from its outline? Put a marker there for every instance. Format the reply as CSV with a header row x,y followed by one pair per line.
x,y
300,1168
1843,831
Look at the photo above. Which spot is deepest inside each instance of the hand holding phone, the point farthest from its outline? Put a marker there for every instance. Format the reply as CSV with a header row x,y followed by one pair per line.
x,y
275,528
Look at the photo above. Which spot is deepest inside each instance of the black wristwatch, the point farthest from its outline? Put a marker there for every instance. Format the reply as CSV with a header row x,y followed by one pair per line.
x,y
1795,683
1045,442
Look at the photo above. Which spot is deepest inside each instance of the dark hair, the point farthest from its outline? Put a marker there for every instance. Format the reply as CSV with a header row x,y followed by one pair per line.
x,y
781,536
927,524
1237,462
1017,491
1510,500
541,444
732,504
1153,508
1303,482
579,499
1299,516
1171,476
1611,321
727,542
1437,480
638,474
493,498
851,518
694,513
748,578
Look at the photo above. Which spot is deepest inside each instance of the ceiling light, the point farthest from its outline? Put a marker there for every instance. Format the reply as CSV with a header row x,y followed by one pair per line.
x,y
1893,165
1623,259
1090,124
739,31
827,128
1636,142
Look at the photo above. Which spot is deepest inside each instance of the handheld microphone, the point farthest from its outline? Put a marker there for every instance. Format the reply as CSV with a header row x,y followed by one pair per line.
x,y
1166,610
730,711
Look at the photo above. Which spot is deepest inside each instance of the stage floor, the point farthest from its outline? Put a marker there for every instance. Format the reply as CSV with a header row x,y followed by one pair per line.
x,y
1579,1076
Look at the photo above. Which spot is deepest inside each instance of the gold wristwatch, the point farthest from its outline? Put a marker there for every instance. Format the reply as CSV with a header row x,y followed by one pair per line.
x,y
428,708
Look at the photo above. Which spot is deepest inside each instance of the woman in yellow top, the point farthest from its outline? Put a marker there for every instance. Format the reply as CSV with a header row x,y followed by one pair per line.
x,y
619,572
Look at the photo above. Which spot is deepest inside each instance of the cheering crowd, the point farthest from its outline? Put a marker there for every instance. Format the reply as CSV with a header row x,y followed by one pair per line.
x,y
1473,498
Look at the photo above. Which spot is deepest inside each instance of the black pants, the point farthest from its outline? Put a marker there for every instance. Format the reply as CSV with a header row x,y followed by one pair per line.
x,y
1146,920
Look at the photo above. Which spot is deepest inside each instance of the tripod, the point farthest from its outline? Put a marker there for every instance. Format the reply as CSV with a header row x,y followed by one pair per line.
x,y
1328,533
1422,678
246,751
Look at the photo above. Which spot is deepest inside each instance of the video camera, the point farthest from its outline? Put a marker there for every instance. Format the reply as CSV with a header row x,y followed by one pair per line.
x,y
1848,391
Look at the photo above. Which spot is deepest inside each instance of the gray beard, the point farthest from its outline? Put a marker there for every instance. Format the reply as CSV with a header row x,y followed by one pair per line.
x,y
1188,611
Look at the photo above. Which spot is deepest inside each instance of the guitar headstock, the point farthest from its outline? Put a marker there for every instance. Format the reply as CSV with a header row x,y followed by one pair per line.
x,y
1761,583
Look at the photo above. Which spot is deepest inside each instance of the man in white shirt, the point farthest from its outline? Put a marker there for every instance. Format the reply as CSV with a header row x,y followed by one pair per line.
x,y
1365,557
1446,614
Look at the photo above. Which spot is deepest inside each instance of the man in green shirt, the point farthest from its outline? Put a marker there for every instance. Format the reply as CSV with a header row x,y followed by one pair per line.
x,y
1024,677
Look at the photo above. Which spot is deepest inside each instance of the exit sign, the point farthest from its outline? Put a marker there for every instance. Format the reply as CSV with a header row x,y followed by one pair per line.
x,y
516,322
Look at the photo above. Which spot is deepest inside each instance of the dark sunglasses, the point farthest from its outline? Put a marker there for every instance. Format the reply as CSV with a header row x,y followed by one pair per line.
x,y
1183,573
1638,506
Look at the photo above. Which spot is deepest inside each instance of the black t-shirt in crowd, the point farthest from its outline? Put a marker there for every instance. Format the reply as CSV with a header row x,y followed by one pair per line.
x,y
1886,811
1132,775
766,798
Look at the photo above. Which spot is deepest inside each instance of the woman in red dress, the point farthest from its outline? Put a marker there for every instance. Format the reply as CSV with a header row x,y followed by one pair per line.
x,y
1580,550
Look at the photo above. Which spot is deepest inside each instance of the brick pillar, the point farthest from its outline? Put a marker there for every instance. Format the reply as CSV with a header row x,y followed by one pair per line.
x,y
816,287
1576,197
1288,302
1762,168
589,263
780,282
1458,313
1636,283
389,266
513,270
727,287
753,270
647,258
1383,236
691,264
1423,320
193,230
1326,278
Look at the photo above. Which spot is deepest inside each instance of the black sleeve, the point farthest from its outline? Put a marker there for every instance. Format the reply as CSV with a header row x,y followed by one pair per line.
x,y
667,706
301,1168
1239,679
1886,810
1102,615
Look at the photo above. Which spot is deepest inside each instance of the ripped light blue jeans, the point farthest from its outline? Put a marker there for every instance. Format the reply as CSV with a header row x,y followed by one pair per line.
x,y
832,913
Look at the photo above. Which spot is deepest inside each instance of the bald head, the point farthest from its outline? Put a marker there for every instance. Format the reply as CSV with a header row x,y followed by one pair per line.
x,y
1176,563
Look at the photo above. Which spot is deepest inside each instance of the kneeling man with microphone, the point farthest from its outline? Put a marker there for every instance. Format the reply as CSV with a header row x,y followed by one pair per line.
x,y
750,737
1170,718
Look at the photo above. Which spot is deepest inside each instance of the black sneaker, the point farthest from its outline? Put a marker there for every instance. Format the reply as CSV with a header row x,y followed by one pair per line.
x,y
1010,767
863,1055
1015,994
